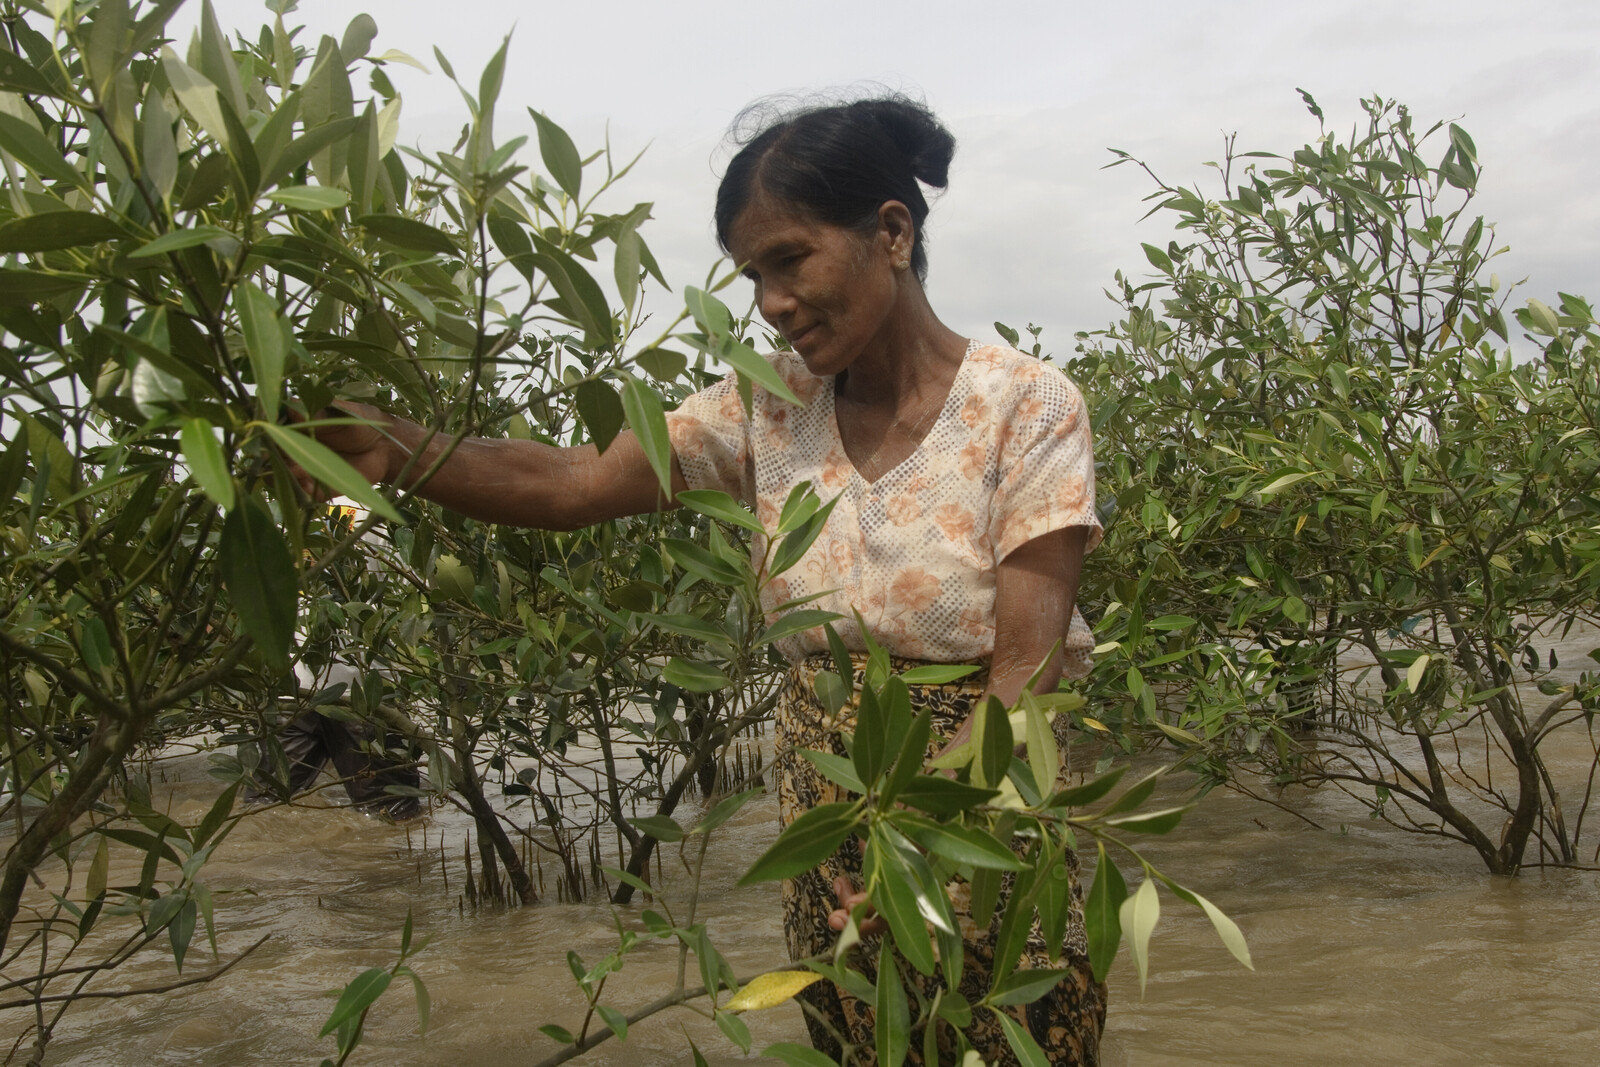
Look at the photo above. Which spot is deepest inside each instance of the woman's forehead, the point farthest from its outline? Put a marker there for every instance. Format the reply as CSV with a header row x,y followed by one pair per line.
x,y
767,222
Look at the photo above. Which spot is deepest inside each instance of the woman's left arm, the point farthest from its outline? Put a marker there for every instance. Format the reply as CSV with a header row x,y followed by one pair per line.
x,y
1035,589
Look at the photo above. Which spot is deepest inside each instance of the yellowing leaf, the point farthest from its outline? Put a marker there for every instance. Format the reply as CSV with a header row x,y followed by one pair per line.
x,y
1227,929
1415,672
1096,724
1139,914
770,990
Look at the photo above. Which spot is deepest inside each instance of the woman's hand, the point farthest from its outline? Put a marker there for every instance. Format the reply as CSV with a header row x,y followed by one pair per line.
x,y
371,449
849,899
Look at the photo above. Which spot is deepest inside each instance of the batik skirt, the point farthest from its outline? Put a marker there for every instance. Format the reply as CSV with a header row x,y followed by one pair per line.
x,y
1066,1022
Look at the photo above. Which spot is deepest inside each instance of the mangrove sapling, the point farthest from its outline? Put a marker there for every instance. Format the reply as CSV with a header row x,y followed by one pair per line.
x,y
193,245
1336,475
921,826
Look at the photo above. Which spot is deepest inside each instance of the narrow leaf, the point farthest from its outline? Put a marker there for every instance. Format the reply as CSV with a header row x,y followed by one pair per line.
x,y
771,989
358,996
206,462
1139,915
329,468
260,578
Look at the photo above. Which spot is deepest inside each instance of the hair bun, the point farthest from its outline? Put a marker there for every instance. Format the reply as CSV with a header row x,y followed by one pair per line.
x,y
839,163
914,129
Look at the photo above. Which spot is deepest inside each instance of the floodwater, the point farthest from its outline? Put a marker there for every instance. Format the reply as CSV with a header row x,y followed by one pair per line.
x,y
1371,946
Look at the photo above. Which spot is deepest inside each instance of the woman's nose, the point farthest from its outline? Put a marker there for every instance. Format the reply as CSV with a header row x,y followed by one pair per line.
x,y
776,303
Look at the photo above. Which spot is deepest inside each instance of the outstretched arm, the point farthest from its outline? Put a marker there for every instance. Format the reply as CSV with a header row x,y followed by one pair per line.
x,y
518,483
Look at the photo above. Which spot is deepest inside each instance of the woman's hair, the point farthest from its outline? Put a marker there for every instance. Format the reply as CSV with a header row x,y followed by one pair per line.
x,y
839,163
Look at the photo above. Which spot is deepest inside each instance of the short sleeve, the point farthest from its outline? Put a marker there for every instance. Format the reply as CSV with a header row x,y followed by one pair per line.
x,y
709,438
1046,464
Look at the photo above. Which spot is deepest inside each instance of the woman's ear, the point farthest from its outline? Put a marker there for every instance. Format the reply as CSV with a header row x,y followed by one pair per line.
x,y
897,232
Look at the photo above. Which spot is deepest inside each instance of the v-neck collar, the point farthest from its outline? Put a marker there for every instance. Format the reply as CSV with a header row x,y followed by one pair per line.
x,y
945,412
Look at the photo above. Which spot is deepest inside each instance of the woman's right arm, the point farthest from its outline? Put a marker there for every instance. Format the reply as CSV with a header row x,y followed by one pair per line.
x,y
517,483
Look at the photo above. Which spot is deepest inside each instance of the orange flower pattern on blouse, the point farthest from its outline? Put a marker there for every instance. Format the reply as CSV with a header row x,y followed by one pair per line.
x,y
1008,459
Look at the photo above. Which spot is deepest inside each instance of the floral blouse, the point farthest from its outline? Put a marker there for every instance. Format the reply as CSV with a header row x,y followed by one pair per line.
x,y
1008,459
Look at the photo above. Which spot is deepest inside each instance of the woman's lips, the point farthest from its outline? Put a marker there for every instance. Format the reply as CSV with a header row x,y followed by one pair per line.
x,y
795,338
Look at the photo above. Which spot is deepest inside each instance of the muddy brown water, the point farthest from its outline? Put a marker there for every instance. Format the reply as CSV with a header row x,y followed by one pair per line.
x,y
1371,946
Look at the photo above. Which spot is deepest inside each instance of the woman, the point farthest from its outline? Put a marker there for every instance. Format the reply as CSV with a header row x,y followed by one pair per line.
x,y
963,472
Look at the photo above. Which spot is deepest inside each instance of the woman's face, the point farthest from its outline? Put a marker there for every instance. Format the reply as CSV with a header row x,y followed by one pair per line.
x,y
829,291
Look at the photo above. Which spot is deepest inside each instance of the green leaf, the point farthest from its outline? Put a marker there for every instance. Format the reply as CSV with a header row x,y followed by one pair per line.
x,y
600,410
1102,914
57,229
178,240
582,299
1137,793
260,577
358,996
207,463
725,809
908,762
748,363
329,468
716,504
735,1030
995,744
357,39
1091,791
702,564
614,1020
158,147
894,892
662,364
793,622
938,673
424,1001
99,867
835,768
31,286
711,314
1022,1043
694,677
649,424
409,234
938,795
795,544
1284,481
963,844
266,341
313,198
560,155
1544,319
180,931
17,75
811,838
558,1033
34,151
198,96
1025,987
164,910
892,1016
794,1055
1139,914
690,626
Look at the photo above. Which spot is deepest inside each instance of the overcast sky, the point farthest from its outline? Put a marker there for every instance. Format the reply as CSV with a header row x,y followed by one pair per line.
x,y
1031,227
